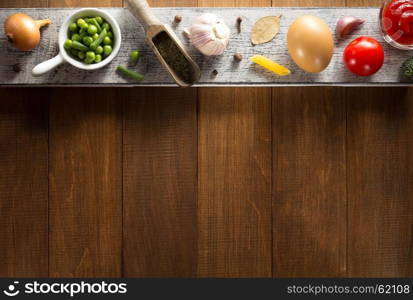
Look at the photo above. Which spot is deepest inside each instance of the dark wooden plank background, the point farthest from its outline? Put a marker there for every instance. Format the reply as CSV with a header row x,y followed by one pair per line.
x,y
245,182
234,183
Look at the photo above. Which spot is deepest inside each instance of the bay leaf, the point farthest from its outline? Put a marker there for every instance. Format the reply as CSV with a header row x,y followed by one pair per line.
x,y
265,29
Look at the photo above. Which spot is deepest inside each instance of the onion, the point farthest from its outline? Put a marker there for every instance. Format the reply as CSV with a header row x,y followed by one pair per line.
x,y
345,25
23,32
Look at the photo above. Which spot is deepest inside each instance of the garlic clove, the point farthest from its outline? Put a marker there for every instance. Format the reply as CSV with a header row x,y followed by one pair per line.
x,y
210,35
346,25
221,31
212,48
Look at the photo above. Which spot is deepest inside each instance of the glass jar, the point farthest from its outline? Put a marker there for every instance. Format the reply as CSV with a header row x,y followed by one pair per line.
x,y
396,21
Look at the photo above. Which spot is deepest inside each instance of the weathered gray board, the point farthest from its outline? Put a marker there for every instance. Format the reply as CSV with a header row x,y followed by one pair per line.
x,y
229,72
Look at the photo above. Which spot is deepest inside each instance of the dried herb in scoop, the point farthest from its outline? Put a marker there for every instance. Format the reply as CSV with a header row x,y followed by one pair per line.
x,y
173,56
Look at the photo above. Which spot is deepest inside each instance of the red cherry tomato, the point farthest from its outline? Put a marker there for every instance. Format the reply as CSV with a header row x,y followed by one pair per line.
x,y
364,56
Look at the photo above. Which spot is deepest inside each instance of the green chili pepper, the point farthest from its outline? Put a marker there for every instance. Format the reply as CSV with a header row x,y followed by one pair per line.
x,y
129,73
79,46
99,40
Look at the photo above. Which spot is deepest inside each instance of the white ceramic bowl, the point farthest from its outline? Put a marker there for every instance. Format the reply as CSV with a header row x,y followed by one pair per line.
x,y
63,56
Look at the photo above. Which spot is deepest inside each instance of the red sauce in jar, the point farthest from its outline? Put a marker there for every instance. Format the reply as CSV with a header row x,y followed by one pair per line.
x,y
397,19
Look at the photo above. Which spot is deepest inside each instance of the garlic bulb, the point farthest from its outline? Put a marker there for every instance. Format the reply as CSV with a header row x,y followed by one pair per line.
x,y
210,35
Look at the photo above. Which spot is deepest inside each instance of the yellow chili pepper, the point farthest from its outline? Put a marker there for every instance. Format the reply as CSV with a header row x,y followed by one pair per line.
x,y
270,65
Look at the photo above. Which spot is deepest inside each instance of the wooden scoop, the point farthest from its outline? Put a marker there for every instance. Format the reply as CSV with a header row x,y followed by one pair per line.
x,y
186,72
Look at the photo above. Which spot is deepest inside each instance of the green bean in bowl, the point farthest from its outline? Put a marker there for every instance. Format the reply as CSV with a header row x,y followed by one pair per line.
x,y
90,39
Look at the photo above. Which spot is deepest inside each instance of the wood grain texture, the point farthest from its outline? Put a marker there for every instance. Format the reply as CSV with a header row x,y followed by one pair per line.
x,y
84,3
380,182
85,183
173,3
234,209
160,171
23,180
85,179
309,190
380,179
159,183
309,3
309,208
234,185
23,3
364,3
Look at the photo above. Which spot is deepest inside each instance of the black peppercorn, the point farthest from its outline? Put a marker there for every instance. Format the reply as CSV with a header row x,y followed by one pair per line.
x,y
17,68
178,19
237,57
239,20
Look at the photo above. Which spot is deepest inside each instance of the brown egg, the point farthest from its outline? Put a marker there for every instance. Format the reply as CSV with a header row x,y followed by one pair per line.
x,y
310,43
